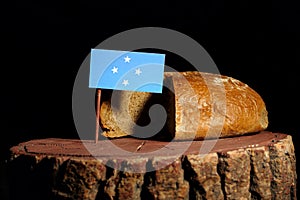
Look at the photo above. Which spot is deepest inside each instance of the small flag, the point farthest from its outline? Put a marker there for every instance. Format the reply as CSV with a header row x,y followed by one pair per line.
x,y
125,70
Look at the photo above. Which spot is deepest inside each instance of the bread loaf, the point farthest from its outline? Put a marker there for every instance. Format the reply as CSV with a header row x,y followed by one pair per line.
x,y
198,105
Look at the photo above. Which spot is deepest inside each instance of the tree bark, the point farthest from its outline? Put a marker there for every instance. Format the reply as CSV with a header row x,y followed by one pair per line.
x,y
257,166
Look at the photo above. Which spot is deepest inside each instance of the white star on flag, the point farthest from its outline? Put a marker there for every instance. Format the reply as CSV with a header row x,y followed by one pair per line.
x,y
127,59
138,71
125,82
114,70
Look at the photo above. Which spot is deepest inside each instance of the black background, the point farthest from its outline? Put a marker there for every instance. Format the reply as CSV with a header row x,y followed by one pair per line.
x,y
44,43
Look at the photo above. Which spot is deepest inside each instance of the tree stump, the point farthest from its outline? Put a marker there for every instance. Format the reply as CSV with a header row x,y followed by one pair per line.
x,y
256,166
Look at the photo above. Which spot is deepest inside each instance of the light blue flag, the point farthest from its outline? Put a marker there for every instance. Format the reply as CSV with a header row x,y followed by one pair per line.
x,y
124,70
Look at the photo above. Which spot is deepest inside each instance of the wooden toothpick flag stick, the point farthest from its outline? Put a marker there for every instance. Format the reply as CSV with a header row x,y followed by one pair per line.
x,y
97,115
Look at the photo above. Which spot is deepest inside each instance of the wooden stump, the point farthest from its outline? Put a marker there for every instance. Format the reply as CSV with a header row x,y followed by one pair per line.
x,y
257,166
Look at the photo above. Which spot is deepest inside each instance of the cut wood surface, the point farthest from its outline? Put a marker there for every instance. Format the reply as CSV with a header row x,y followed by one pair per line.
x,y
256,166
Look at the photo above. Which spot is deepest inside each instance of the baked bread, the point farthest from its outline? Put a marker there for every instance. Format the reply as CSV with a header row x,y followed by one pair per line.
x,y
198,105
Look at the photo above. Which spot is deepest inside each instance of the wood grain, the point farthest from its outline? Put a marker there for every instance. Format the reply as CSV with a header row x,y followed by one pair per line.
x,y
257,166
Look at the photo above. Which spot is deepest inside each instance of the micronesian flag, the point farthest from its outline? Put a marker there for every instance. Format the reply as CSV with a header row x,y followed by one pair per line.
x,y
125,70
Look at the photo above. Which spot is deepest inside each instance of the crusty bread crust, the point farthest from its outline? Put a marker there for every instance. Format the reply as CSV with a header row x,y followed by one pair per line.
x,y
211,105
206,106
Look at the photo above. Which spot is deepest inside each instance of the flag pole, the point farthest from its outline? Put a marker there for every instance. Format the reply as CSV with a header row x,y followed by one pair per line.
x,y
97,114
